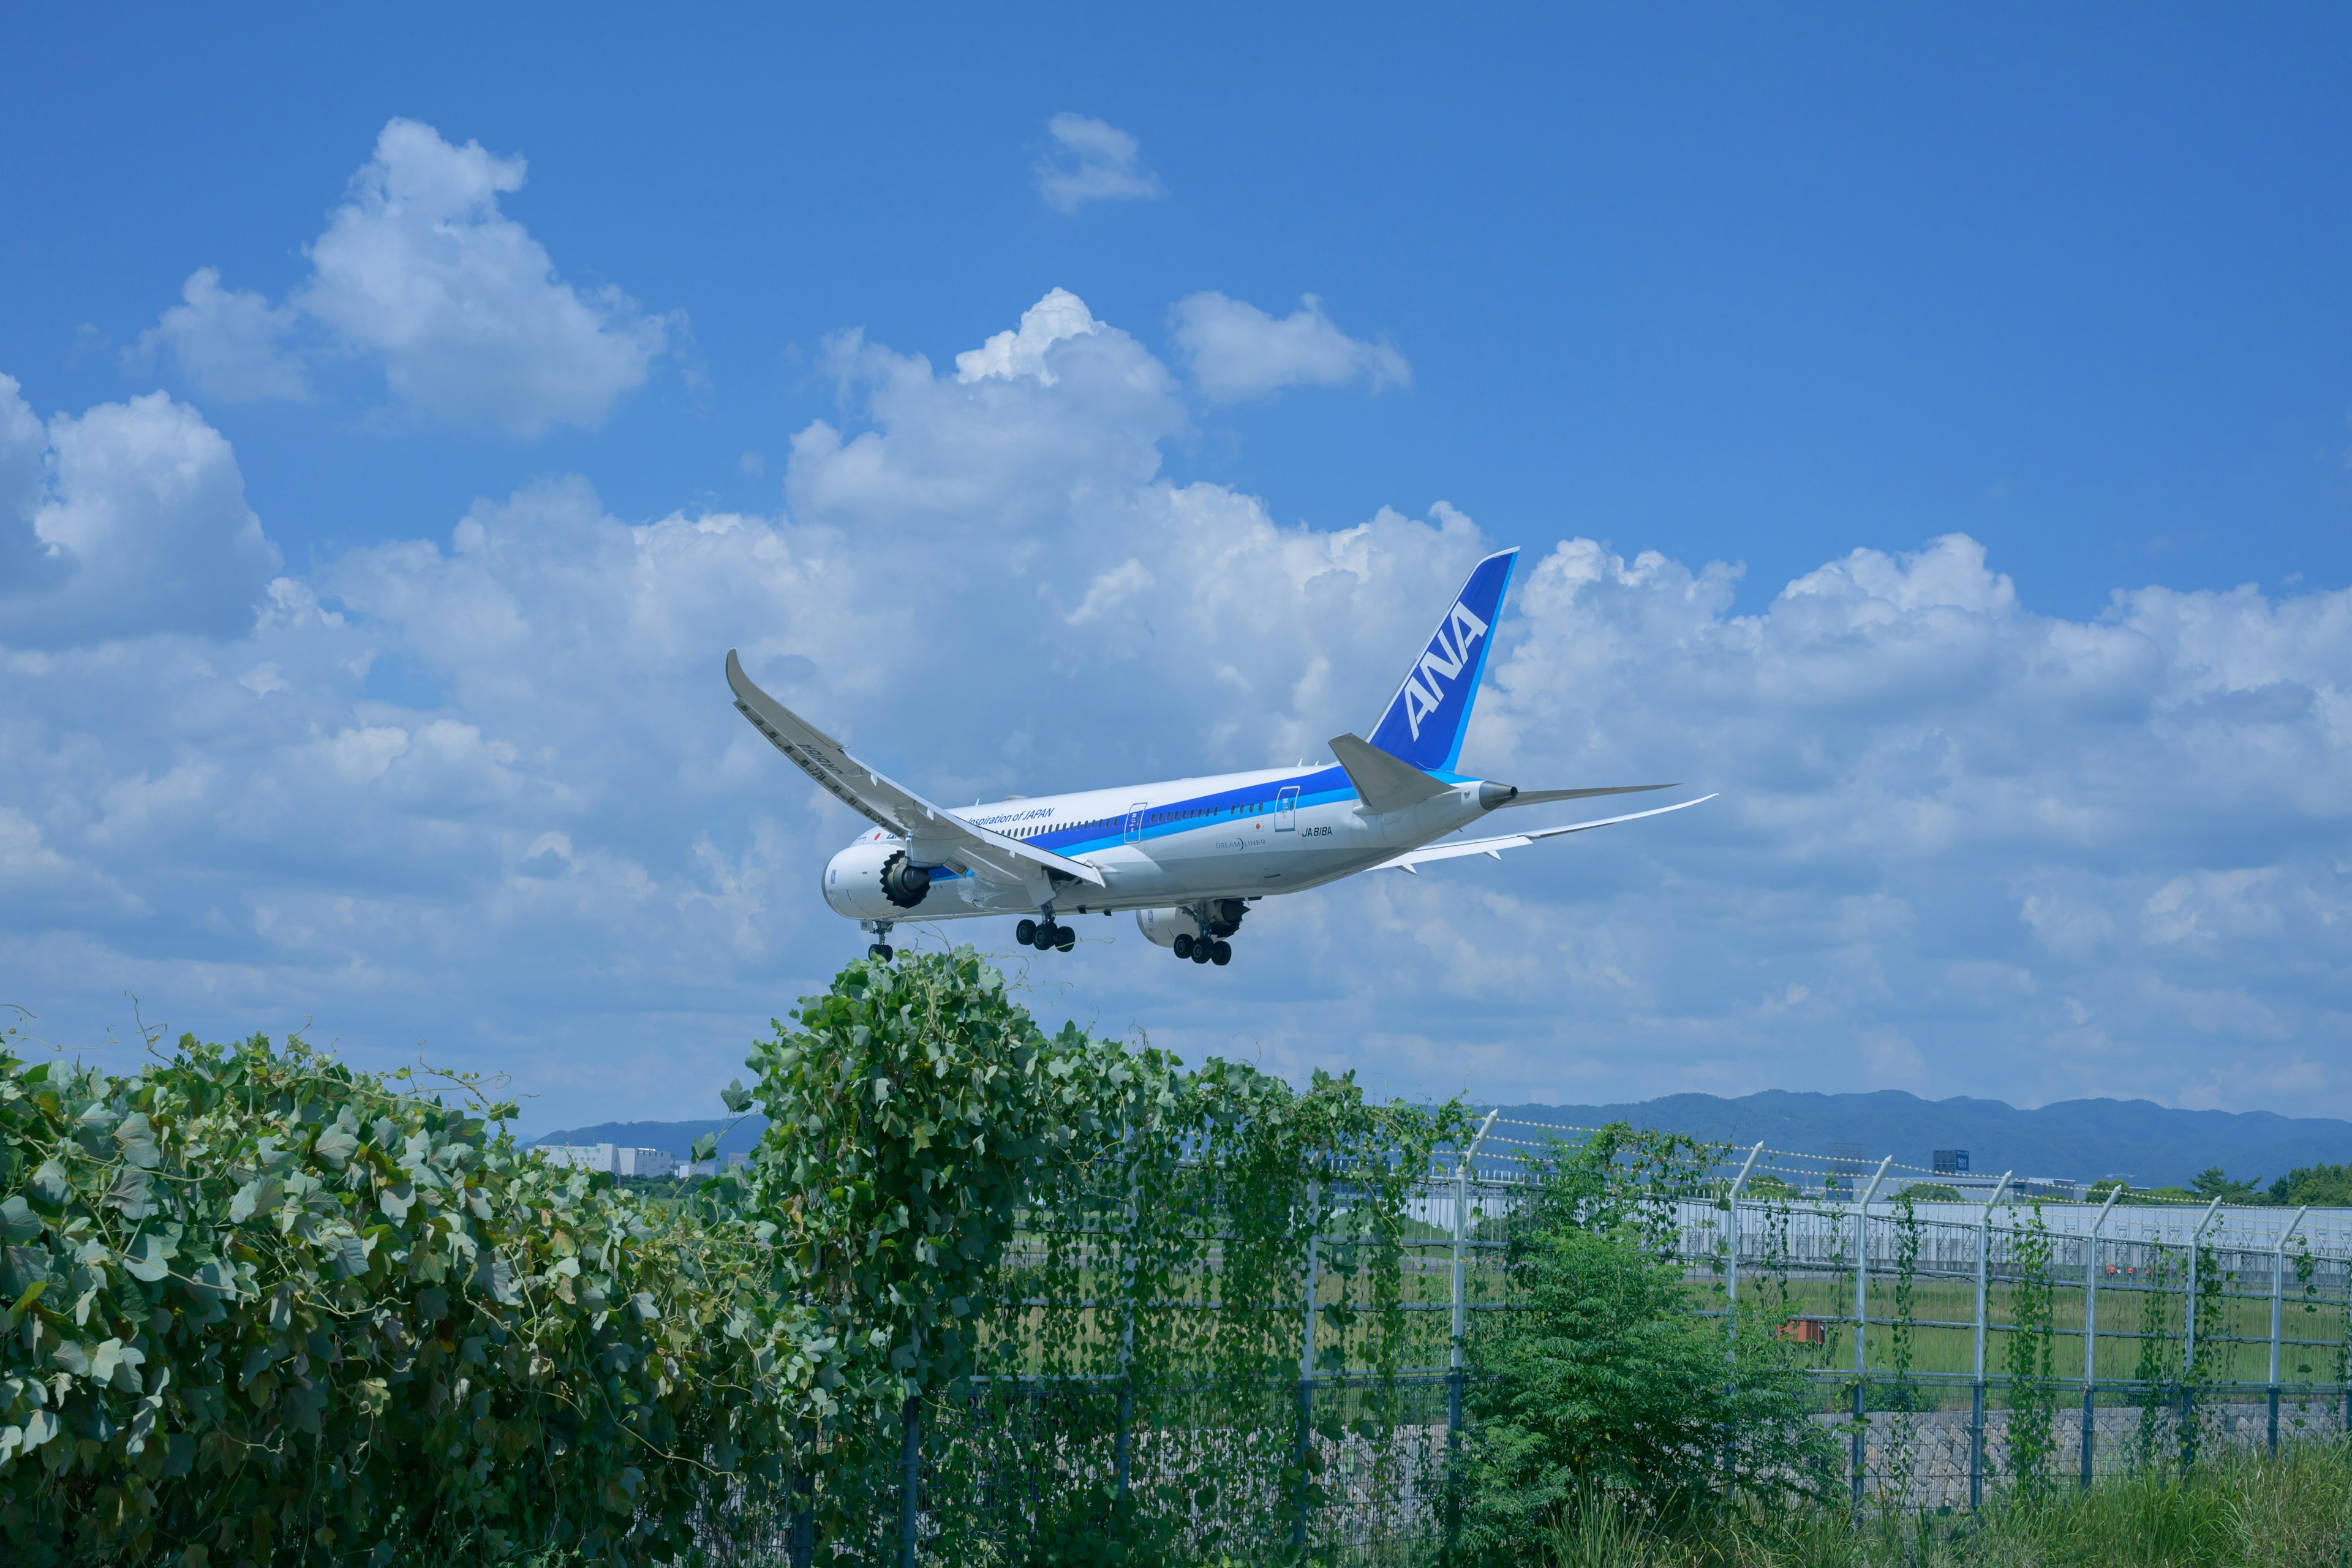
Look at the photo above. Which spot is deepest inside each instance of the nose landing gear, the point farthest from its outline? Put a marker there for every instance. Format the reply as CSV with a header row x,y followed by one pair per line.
x,y
881,951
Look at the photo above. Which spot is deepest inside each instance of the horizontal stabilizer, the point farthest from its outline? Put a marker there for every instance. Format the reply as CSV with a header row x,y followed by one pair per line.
x,y
1452,849
1383,783
1539,797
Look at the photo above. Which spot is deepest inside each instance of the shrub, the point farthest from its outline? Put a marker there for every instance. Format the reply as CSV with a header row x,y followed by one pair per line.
x,y
1605,1380
262,1308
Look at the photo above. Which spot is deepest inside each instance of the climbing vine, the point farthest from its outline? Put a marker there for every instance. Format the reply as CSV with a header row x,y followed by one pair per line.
x,y
2154,1374
991,1215
2031,1347
1900,1463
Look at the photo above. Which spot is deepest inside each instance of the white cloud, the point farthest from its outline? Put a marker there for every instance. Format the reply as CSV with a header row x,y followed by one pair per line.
x,y
1237,351
136,524
1090,162
234,345
419,271
460,303
1961,846
1060,315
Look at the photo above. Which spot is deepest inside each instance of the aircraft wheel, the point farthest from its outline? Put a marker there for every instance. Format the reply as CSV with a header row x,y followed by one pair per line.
x,y
1203,950
1220,952
1065,939
1183,944
1025,933
880,950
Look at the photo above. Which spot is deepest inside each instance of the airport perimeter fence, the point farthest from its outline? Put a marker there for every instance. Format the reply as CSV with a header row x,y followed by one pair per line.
x,y
1963,1341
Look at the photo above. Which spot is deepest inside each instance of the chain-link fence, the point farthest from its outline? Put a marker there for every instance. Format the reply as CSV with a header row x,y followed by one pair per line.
x,y
1965,1334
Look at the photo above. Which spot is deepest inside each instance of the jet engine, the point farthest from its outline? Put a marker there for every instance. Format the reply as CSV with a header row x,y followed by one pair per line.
x,y
871,880
1164,926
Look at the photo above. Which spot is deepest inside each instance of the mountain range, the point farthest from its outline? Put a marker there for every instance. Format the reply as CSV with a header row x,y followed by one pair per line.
x,y
2149,1145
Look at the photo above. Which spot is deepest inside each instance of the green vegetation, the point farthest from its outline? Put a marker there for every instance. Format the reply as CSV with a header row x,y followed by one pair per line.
x,y
261,1307
1932,1193
2329,1187
1607,1378
2293,1511
262,1310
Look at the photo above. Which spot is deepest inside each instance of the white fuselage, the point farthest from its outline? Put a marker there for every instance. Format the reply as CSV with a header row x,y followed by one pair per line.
x,y
1232,836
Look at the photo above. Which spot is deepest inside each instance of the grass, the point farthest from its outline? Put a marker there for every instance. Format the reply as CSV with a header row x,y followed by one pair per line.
x,y
2249,1511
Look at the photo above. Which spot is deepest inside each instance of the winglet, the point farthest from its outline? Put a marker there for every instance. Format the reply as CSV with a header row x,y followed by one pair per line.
x,y
1383,783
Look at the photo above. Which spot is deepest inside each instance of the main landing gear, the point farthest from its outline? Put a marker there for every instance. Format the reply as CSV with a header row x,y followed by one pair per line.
x,y
1213,950
1046,935
881,951
1219,919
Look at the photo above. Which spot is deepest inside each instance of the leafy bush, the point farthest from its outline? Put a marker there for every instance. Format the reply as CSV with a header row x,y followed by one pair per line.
x,y
263,1308
1606,1381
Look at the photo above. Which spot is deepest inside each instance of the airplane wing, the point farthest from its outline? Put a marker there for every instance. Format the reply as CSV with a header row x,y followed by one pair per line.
x,y
887,804
1413,858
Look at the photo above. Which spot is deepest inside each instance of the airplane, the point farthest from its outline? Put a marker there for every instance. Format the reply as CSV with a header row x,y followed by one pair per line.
x,y
1189,856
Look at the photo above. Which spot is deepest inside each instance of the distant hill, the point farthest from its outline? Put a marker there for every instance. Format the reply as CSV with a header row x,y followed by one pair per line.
x,y
2083,1138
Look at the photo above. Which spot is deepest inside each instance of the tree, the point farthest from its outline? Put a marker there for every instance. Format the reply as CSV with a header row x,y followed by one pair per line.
x,y
1932,1193
1607,1377
2212,1182
2322,1186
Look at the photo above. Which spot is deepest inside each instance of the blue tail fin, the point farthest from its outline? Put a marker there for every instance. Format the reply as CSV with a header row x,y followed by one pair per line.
x,y
1425,719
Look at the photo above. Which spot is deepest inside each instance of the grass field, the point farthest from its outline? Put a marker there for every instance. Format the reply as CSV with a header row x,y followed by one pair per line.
x,y
2291,1511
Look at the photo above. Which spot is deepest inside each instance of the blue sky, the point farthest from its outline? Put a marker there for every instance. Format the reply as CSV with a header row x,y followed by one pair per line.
x,y
407,418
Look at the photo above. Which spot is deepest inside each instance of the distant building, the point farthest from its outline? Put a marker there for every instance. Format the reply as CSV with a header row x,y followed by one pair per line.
x,y
612,1159
1951,1162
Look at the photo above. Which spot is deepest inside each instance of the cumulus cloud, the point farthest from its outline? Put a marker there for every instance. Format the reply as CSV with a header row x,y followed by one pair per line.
x,y
1963,847
420,271
1238,352
1091,162
128,519
232,343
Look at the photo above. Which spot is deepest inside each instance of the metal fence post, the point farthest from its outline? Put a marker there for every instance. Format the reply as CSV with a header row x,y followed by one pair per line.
x,y
2278,1302
1460,1305
800,1534
1862,1319
1977,1405
1976,1443
1120,1446
2196,1239
2091,1330
910,1473
1306,1402
1731,1283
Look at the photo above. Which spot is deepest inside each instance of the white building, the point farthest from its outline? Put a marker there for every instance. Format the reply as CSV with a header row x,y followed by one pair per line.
x,y
613,1159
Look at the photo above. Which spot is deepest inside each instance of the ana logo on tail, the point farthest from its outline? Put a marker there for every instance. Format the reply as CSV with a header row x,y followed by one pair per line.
x,y
1444,660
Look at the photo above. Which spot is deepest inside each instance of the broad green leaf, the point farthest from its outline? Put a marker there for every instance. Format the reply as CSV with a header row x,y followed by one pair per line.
x,y
51,1186
260,1196
136,1138
147,1258
17,1220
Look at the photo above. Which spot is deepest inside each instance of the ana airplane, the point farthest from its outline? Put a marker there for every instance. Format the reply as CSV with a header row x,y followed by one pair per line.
x,y
1189,855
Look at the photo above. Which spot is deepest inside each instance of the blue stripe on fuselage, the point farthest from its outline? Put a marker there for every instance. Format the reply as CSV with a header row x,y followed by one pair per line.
x,y
1166,819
